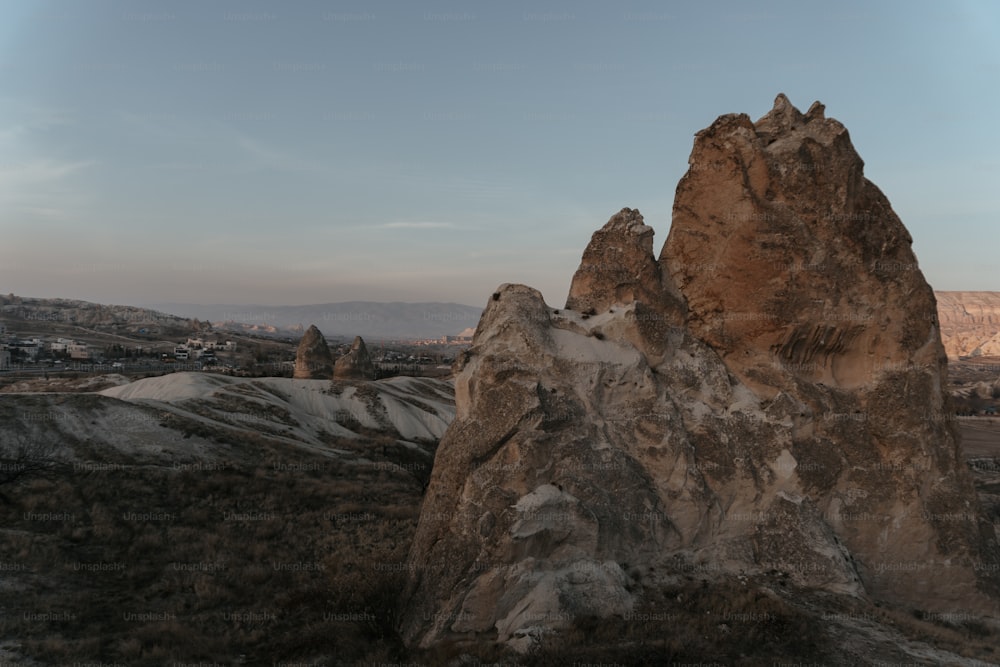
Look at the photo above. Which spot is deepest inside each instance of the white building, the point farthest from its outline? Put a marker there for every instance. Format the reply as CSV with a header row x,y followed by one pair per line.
x,y
200,343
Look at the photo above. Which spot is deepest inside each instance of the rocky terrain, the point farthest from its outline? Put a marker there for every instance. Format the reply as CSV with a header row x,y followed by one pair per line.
x,y
763,403
970,323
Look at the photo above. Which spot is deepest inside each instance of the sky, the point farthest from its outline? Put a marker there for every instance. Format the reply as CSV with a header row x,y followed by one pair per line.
x,y
304,152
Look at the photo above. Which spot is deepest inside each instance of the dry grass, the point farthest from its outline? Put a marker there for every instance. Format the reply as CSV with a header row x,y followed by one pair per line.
x,y
286,564
277,560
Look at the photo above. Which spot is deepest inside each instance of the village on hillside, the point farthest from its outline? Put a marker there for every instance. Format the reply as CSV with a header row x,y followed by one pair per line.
x,y
33,351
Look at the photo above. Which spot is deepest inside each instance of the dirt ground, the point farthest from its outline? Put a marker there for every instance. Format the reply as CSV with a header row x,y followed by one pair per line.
x,y
980,437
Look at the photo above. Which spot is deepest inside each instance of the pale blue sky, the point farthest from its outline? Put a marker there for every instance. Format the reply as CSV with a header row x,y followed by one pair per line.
x,y
306,152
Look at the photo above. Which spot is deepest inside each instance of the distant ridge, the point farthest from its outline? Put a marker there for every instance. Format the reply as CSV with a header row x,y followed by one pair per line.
x,y
370,319
92,315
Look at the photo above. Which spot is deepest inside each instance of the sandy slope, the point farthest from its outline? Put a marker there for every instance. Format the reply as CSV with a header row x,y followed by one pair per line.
x,y
170,388
86,429
139,420
414,408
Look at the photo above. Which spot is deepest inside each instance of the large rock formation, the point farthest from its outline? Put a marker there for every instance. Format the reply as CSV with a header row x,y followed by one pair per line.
x,y
356,364
766,396
970,323
775,224
313,360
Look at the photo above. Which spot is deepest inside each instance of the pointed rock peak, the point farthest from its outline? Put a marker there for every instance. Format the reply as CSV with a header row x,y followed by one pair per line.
x,y
781,118
784,120
313,360
798,183
356,364
617,266
816,111
628,220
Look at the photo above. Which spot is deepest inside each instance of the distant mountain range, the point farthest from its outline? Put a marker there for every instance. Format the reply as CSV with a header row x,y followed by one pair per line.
x,y
371,320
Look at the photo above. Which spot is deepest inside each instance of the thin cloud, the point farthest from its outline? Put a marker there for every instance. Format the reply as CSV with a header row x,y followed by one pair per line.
x,y
20,180
179,166
34,187
164,126
263,157
39,171
30,118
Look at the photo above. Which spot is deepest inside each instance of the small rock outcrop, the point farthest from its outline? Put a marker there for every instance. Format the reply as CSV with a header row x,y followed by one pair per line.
x,y
313,360
356,364
765,396
617,267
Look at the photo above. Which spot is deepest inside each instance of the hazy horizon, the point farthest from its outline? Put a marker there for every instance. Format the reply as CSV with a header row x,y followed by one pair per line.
x,y
261,154
158,305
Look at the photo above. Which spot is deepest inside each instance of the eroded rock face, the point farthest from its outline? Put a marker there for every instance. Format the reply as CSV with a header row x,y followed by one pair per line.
x,y
618,267
791,260
723,409
313,360
356,364
970,323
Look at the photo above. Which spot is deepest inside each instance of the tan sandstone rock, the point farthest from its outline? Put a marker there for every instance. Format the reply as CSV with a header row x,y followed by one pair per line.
x,y
313,360
770,400
356,364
